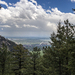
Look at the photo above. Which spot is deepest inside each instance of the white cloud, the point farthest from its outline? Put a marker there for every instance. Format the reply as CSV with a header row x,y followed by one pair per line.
x,y
72,0
1,28
10,4
25,17
48,11
6,26
34,2
30,26
17,26
51,25
3,2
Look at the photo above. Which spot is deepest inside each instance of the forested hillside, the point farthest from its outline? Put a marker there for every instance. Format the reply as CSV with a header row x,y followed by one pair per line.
x,y
57,59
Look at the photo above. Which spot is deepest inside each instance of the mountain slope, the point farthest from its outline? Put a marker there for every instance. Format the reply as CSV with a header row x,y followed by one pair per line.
x,y
7,42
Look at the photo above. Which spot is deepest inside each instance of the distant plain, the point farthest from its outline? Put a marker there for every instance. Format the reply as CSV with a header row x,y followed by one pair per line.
x,y
31,42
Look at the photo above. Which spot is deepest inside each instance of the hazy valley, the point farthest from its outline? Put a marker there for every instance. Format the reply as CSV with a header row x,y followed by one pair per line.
x,y
31,42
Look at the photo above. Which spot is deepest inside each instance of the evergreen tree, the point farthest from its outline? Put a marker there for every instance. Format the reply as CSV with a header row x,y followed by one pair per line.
x,y
3,58
72,56
60,50
20,60
69,33
36,62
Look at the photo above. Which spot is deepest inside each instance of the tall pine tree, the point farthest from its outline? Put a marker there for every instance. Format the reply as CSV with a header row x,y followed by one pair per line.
x,y
60,50
20,60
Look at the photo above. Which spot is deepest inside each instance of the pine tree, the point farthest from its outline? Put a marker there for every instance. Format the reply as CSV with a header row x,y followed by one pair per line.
x,y
69,33
72,55
54,53
20,60
36,62
60,50
3,58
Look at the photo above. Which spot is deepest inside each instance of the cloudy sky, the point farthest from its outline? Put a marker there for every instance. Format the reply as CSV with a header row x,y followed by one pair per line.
x,y
34,18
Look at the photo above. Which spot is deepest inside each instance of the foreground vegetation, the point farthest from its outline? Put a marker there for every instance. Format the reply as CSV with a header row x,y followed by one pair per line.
x,y
59,59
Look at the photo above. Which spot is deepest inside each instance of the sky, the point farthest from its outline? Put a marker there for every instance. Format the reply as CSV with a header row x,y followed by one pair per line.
x,y
34,18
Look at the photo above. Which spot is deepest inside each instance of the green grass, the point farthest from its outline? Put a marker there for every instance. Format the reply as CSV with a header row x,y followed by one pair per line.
x,y
41,52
